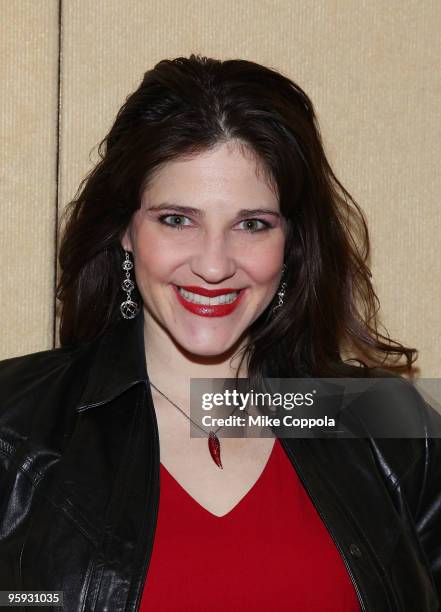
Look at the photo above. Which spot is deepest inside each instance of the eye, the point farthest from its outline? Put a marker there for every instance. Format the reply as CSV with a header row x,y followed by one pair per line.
x,y
265,224
251,223
172,225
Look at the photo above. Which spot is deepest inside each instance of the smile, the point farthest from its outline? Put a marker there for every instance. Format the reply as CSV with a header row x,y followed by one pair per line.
x,y
202,305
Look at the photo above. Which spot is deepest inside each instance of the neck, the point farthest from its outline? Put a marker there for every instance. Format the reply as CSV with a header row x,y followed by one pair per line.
x,y
170,366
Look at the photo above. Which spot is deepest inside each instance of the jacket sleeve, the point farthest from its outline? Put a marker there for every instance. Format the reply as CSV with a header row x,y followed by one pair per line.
x,y
17,497
18,484
10,519
24,380
428,515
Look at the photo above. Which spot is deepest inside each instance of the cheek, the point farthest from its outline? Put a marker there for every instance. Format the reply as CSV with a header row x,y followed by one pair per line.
x,y
151,266
154,258
266,269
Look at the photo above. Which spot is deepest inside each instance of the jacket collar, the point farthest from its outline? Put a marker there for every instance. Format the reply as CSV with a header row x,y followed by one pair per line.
x,y
117,362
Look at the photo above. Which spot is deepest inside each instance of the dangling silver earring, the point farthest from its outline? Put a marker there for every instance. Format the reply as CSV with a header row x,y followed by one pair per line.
x,y
129,308
281,292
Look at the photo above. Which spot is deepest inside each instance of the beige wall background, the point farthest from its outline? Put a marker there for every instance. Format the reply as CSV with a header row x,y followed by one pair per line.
x,y
370,68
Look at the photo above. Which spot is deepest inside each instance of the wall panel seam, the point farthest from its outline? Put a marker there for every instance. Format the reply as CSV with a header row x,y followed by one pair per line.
x,y
57,169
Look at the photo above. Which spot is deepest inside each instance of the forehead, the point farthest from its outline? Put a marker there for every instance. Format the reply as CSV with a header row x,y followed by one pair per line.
x,y
227,173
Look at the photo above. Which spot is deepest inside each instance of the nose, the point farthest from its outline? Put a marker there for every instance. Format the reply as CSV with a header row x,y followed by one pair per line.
x,y
214,260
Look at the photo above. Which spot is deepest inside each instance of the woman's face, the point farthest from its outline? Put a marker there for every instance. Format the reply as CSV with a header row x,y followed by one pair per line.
x,y
216,245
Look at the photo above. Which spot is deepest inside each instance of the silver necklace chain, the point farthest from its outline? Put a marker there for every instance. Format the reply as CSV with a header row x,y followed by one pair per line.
x,y
186,415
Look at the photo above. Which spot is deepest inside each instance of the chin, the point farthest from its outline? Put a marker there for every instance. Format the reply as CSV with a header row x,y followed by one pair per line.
x,y
206,347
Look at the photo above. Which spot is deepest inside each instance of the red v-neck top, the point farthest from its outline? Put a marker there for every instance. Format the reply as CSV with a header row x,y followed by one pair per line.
x,y
270,552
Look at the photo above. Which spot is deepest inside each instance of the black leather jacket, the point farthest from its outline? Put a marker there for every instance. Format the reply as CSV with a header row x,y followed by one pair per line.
x,y
79,485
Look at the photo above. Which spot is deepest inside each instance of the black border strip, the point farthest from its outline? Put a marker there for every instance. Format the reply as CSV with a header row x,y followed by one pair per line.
x,y
57,170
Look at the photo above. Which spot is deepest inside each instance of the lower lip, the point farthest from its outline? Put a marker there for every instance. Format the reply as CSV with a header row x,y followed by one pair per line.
x,y
205,310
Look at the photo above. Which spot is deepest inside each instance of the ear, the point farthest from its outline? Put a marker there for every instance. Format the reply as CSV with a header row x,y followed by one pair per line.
x,y
126,241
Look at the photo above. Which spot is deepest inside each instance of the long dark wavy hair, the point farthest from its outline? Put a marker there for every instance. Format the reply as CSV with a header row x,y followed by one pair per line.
x,y
186,106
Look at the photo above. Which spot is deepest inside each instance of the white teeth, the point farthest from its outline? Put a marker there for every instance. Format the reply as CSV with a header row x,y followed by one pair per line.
x,y
195,298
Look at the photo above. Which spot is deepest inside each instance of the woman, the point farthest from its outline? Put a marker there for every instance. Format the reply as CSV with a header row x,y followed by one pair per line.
x,y
106,497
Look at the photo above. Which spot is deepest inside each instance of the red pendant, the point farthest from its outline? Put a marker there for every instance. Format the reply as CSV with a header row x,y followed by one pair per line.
x,y
214,448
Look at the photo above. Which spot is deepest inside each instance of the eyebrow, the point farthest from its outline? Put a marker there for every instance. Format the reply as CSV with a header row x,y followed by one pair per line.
x,y
200,213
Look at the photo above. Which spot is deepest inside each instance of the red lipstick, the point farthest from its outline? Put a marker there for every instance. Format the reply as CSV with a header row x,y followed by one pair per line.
x,y
209,310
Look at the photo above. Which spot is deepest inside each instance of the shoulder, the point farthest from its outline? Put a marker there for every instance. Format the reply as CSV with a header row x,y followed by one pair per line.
x,y
388,405
394,418
28,374
38,388
17,369
391,412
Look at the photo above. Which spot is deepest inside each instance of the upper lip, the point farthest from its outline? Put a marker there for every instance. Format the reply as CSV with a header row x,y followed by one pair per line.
x,y
207,292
